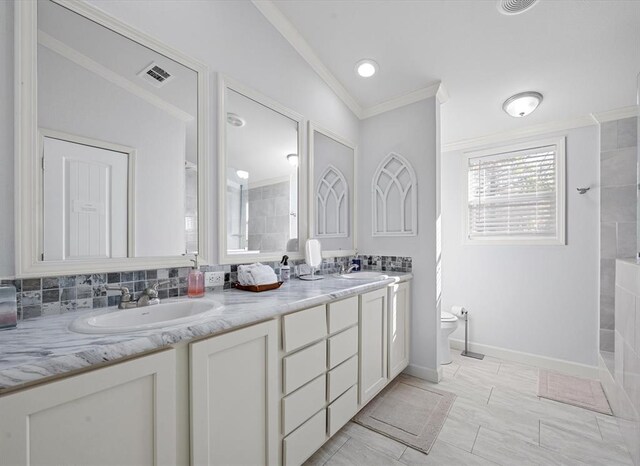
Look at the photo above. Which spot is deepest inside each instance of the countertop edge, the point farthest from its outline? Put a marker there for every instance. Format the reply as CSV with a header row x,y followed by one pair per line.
x,y
46,369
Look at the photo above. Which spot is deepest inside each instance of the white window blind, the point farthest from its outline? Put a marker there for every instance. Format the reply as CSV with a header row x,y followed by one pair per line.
x,y
515,195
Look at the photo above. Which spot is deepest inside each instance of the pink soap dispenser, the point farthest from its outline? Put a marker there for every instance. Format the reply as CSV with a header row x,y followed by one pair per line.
x,y
195,281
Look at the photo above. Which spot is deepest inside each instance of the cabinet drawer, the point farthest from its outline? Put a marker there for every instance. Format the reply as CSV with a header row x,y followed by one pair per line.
x,y
302,443
304,327
343,409
343,314
303,366
302,404
341,378
342,346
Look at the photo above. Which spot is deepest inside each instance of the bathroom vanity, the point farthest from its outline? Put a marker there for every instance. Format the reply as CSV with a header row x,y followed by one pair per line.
x,y
266,390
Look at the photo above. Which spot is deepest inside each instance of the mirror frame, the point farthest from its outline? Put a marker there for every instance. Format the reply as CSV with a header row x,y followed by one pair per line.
x,y
224,83
353,196
28,193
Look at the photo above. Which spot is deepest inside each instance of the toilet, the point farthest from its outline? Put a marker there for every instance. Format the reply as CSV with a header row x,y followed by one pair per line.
x,y
448,323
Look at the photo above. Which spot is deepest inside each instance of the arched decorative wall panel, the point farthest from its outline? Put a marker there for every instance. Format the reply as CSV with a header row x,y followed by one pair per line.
x,y
394,198
332,204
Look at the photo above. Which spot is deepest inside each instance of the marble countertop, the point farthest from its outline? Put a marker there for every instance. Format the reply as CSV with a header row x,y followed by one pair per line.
x,y
45,347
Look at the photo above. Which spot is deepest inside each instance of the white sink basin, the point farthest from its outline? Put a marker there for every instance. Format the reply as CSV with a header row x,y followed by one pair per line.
x,y
363,276
144,318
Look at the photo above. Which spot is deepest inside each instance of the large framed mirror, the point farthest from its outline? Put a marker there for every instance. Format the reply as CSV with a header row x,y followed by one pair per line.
x,y
261,177
111,145
332,196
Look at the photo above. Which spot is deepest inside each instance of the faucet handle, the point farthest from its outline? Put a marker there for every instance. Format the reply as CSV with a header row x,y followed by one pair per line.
x,y
158,284
126,295
152,291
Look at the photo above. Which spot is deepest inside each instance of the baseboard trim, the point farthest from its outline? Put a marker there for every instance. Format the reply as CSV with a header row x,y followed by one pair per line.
x,y
426,373
560,365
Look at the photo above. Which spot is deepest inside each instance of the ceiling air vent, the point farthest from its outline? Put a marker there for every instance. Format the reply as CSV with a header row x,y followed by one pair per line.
x,y
515,7
155,75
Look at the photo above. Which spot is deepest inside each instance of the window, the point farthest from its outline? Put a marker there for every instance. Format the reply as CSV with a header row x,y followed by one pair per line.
x,y
515,194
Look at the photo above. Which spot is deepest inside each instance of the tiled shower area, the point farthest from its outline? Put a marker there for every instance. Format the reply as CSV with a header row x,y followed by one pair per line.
x,y
618,217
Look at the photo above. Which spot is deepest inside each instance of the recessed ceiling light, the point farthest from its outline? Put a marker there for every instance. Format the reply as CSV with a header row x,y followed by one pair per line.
x,y
366,68
293,159
522,104
235,120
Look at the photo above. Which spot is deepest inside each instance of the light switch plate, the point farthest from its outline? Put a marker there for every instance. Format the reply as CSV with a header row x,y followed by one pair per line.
x,y
212,279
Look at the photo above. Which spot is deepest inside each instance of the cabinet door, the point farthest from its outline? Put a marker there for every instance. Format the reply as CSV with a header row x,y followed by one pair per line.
x,y
373,344
234,397
399,309
121,414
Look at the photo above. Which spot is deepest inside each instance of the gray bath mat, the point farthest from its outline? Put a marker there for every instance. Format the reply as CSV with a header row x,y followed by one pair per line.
x,y
409,412
575,391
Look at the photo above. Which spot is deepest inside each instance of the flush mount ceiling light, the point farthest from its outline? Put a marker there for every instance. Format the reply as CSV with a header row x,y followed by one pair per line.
x,y
366,68
293,159
235,120
515,7
243,175
522,104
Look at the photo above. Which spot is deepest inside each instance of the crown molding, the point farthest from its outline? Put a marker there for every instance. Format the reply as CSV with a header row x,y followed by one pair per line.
x,y
291,34
442,94
402,100
616,114
282,24
534,130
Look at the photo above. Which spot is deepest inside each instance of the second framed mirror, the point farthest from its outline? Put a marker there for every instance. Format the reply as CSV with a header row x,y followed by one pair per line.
x,y
261,178
332,191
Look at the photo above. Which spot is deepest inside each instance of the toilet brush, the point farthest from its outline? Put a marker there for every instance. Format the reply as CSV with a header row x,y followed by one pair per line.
x,y
466,352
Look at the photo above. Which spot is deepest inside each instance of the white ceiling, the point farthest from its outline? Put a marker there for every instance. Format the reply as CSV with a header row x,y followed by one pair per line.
x,y
261,146
583,55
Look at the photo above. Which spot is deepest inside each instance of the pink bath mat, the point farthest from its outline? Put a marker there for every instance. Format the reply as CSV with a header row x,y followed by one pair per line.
x,y
575,391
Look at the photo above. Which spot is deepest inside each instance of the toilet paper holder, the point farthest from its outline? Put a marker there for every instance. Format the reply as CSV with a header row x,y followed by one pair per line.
x,y
466,352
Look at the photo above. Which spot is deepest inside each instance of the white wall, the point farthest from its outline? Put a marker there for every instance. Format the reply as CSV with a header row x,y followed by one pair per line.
x,y
6,139
412,132
229,37
534,299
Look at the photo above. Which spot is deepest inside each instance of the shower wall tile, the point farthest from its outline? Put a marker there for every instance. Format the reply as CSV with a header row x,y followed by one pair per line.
x,y
627,132
626,240
608,240
618,208
608,136
618,168
618,204
627,355
607,277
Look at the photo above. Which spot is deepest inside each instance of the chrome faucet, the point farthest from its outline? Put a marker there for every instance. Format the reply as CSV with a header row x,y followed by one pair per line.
x,y
350,269
148,297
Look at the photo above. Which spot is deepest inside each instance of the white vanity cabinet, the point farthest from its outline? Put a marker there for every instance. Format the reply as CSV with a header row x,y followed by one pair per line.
x,y
374,373
398,329
234,397
120,414
319,376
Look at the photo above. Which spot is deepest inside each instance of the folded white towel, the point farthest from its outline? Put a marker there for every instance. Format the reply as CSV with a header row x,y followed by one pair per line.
x,y
256,274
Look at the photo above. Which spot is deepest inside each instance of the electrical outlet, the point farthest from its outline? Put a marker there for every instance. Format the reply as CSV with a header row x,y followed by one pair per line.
x,y
212,279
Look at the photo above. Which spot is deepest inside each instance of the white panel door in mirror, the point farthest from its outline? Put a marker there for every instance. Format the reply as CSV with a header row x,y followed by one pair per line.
x,y
85,201
394,198
333,161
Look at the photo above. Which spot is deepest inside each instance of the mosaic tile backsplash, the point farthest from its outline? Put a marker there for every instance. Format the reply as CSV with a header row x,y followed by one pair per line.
x,y
37,297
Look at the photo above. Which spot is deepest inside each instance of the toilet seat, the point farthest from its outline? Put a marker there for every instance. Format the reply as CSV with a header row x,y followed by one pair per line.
x,y
447,317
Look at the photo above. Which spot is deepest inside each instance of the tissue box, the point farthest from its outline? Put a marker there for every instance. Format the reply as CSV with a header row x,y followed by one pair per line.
x,y
8,307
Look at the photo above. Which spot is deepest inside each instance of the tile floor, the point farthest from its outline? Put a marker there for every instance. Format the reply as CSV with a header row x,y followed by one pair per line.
x,y
496,419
